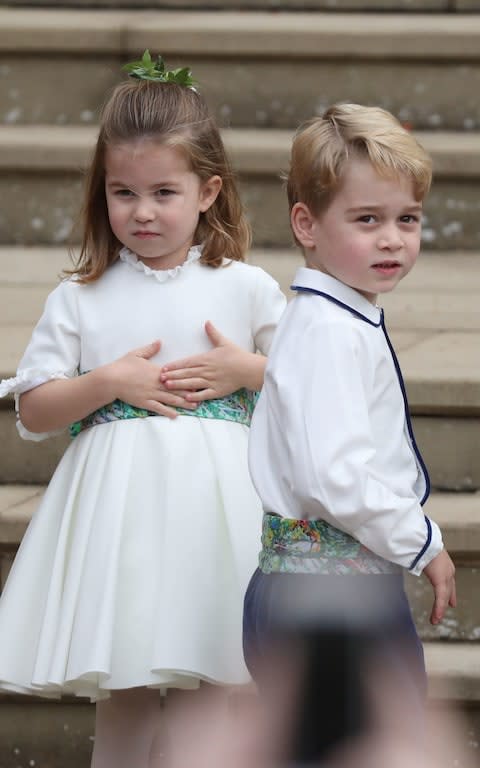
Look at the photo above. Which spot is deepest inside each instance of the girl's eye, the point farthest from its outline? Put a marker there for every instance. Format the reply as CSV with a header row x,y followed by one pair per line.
x,y
165,192
123,193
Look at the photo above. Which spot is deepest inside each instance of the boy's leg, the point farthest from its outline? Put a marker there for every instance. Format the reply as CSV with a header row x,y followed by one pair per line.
x,y
256,624
327,635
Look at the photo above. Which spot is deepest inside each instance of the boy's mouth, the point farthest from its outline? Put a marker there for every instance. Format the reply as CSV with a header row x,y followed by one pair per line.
x,y
386,266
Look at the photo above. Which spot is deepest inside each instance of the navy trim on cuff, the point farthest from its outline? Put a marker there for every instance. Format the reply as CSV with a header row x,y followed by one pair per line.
x,y
425,546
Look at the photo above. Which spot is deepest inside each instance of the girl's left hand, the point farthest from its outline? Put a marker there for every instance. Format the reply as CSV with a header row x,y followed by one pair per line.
x,y
223,370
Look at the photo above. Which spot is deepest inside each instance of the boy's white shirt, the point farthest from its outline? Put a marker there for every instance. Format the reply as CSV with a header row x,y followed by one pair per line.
x,y
329,437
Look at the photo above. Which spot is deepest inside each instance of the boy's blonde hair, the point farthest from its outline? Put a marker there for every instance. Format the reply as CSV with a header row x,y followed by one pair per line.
x,y
323,145
175,116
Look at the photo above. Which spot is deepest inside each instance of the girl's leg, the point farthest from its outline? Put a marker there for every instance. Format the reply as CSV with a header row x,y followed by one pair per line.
x,y
198,725
126,726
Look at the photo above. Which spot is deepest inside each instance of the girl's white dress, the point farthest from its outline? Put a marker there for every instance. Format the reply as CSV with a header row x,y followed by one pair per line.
x,y
134,567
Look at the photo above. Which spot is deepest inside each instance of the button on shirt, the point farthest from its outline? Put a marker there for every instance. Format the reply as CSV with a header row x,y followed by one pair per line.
x,y
331,437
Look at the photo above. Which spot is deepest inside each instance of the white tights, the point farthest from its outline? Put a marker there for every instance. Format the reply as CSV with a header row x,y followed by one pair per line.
x,y
128,730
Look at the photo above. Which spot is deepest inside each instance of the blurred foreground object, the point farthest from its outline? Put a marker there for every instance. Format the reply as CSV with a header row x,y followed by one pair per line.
x,y
336,691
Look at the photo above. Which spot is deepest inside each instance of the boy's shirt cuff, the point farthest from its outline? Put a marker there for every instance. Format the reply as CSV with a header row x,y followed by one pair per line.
x,y
434,545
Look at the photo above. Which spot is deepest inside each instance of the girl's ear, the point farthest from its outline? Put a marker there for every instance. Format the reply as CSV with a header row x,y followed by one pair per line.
x,y
209,192
302,222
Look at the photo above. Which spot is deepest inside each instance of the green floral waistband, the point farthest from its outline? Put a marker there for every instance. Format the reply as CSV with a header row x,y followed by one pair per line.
x,y
236,407
315,546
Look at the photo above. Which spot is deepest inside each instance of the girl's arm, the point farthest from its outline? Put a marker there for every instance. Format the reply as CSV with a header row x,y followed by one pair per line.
x,y
219,372
132,378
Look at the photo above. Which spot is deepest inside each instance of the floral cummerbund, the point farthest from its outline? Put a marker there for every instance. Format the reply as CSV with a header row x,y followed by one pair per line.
x,y
315,546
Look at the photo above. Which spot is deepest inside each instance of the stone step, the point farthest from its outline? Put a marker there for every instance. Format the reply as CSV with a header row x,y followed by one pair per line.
x,y
458,515
42,170
438,296
61,733
449,445
257,68
259,5
433,316
45,734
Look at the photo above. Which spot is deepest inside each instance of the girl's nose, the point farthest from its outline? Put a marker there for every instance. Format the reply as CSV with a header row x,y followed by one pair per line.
x,y
144,210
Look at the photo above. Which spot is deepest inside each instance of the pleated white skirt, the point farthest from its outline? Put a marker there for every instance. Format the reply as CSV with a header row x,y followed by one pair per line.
x,y
134,567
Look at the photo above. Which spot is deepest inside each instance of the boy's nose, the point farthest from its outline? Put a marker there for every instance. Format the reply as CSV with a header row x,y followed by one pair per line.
x,y
390,238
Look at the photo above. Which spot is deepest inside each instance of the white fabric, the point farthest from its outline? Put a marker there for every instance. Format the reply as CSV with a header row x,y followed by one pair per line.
x,y
133,569
329,435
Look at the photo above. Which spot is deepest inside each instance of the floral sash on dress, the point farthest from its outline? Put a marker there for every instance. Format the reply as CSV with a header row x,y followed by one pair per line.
x,y
236,407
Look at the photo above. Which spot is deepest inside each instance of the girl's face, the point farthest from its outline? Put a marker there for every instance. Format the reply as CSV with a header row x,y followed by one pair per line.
x,y
154,200
369,236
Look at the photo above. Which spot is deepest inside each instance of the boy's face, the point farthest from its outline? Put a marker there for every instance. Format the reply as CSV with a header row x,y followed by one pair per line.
x,y
369,236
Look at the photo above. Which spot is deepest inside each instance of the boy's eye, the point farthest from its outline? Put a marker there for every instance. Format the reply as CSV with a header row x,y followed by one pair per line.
x,y
163,192
409,218
367,218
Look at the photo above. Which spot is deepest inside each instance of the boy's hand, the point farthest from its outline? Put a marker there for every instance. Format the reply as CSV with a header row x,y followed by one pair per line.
x,y
441,573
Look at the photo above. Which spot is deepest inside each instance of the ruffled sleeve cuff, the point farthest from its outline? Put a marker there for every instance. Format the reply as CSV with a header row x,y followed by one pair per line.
x,y
25,380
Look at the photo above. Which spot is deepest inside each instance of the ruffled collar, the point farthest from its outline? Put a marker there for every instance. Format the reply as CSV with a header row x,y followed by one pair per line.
x,y
162,275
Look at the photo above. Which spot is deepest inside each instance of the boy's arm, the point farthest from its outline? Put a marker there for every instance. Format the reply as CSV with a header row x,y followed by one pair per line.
x,y
322,382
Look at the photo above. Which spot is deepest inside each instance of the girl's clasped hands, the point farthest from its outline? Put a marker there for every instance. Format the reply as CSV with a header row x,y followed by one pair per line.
x,y
185,383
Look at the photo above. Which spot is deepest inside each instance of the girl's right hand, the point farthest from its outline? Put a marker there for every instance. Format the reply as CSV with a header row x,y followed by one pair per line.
x,y
136,380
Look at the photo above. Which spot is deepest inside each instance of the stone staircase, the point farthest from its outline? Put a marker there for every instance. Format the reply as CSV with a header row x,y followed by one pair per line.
x,y
263,71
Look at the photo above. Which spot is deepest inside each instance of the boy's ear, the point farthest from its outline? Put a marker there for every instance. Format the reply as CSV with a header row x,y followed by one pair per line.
x,y
209,192
302,222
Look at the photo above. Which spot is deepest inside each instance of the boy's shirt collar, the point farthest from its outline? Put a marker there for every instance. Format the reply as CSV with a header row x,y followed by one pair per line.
x,y
338,292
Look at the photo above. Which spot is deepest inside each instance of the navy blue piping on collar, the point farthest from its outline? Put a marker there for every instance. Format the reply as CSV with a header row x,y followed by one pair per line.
x,y
403,390
350,309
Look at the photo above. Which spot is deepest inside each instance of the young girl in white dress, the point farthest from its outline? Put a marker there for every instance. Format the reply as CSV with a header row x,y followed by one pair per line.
x,y
131,575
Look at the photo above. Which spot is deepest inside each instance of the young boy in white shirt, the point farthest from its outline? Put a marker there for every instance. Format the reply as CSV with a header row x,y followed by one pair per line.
x,y
332,452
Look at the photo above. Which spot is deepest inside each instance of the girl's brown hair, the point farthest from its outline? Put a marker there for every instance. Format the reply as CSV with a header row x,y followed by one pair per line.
x,y
173,115
323,145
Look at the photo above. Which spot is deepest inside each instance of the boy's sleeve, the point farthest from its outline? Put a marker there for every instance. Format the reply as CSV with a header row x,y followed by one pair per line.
x,y
327,426
53,351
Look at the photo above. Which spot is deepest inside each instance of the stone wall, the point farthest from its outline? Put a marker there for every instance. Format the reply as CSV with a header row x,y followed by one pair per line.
x,y
439,6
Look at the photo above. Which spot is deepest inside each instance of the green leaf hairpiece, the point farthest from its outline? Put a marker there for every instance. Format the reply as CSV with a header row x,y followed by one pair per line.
x,y
148,69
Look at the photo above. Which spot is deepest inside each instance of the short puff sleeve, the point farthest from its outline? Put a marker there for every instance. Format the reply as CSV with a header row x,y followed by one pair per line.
x,y
53,351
